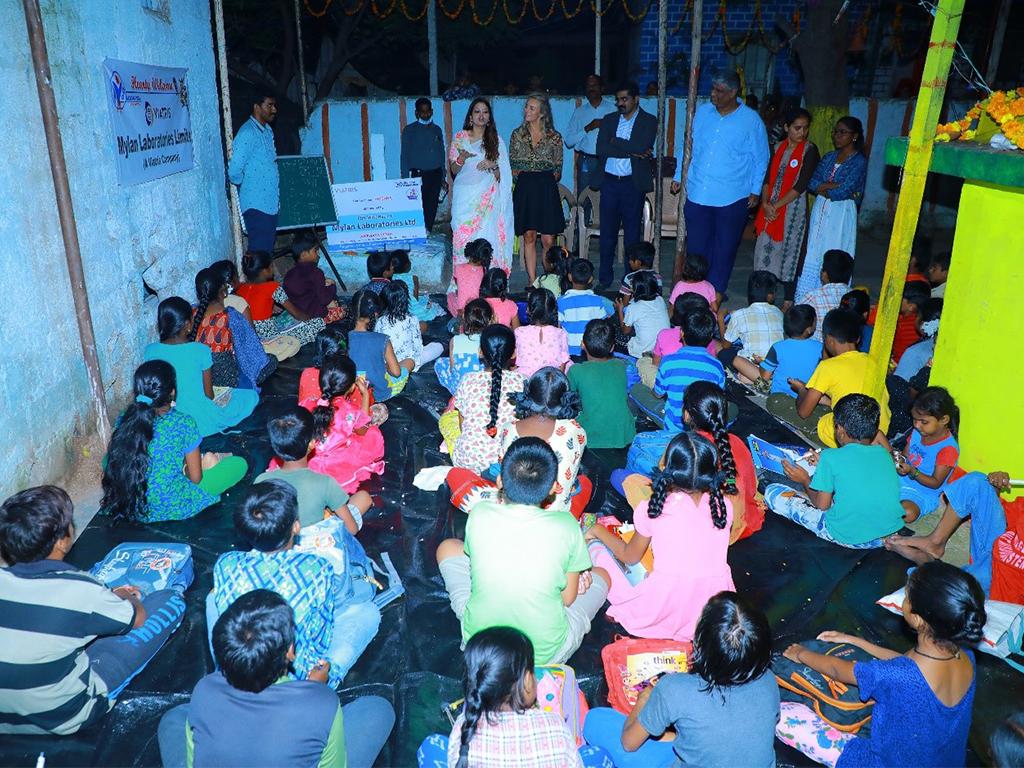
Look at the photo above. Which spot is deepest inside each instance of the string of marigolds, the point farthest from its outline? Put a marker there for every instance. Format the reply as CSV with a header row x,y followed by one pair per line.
x,y
1004,108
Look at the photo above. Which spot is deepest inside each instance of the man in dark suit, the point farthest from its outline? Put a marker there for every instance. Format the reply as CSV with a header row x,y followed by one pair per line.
x,y
625,143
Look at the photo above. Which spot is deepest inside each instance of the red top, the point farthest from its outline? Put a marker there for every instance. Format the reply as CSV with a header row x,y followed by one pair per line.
x,y
906,332
746,481
215,332
260,297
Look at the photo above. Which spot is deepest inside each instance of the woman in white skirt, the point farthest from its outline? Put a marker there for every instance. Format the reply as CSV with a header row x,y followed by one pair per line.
x,y
838,182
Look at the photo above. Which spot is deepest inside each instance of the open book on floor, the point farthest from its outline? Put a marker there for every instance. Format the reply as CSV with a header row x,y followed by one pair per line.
x,y
769,456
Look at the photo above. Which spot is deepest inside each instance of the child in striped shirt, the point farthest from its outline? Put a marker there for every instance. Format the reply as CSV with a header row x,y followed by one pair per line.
x,y
579,305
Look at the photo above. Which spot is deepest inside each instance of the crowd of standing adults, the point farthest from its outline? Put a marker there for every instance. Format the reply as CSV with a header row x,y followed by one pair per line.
x,y
500,192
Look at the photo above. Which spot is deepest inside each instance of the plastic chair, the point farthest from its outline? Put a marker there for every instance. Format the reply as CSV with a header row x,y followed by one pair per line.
x,y
669,212
593,229
568,201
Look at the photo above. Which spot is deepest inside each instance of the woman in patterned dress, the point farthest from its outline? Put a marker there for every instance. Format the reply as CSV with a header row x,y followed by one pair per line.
x,y
482,191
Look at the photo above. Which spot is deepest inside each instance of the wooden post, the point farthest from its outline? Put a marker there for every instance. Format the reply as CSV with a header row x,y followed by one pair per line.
x,y
432,45
660,147
225,116
597,37
915,172
691,106
302,64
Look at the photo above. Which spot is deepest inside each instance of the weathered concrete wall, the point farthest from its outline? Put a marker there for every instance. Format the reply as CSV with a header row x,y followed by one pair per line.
x,y
180,220
349,137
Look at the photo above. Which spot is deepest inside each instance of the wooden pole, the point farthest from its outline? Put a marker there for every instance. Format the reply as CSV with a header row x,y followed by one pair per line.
x,y
597,37
660,147
302,65
998,35
432,44
691,106
941,46
66,214
225,116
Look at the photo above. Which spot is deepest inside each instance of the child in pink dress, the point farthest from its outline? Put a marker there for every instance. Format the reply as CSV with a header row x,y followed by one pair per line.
x,y
541,343
687,522
694,280
468,275
494,290
349,448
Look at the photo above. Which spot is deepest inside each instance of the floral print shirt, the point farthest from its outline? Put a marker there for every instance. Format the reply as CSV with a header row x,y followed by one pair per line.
x,y
475,449
170,495
545,156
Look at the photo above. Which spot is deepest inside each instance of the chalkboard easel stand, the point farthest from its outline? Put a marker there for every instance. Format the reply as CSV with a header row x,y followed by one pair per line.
x,y
323,250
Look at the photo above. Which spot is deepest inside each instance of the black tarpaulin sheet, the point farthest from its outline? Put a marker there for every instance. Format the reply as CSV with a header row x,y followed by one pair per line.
x,y
804,584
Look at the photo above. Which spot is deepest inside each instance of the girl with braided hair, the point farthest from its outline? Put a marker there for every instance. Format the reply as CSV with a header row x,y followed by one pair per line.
x,y
686,522
349,447
239,359
482,400
705,410
500,726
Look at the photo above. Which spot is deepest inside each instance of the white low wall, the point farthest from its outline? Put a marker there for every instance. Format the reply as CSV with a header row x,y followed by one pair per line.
x,y
361,138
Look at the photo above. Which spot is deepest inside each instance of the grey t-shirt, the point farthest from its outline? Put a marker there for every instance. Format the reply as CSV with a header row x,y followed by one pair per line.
x,y
725,727
315,491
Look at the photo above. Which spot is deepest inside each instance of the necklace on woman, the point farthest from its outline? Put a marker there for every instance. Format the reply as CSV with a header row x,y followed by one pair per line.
x,y
936,658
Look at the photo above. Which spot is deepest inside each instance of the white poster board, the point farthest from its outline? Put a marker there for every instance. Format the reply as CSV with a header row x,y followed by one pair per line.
x,y
376,215
149,114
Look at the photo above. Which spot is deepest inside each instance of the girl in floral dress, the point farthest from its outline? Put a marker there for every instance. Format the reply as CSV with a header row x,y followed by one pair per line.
x,y
482,401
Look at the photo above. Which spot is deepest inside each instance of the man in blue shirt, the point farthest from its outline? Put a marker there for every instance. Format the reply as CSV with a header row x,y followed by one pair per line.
x,y
624,174
253,167
730,157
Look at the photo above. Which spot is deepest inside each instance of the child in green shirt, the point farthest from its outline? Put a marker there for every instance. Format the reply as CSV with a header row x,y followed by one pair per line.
x,y
854,497
523,566
601,384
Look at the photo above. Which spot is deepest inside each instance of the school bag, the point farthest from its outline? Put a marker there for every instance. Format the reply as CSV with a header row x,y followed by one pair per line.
x,y
147,566
355,573
837,703
632,664
645,452
1008,556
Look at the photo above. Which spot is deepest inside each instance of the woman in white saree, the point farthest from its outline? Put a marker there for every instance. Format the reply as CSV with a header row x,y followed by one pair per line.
x,y
482,192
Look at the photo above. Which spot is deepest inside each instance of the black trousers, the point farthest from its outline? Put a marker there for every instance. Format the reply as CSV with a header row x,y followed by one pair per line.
x,y
431,190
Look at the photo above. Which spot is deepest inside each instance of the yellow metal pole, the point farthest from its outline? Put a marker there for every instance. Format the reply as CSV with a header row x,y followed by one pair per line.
x,y
915,173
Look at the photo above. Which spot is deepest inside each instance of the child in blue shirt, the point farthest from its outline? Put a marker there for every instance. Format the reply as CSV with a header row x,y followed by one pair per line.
x,y
579,305
931,454
677,371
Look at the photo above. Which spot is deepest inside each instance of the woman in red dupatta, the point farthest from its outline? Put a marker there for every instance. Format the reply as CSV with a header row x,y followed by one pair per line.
x,y
782,218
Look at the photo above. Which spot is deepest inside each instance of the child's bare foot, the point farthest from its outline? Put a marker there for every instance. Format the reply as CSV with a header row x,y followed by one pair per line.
x,y
917,548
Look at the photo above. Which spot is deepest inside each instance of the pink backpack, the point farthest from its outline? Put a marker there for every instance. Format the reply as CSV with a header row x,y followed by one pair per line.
x,y
558,691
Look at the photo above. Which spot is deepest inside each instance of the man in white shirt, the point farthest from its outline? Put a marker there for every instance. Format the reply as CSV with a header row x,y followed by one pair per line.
x,y
581,135
625,173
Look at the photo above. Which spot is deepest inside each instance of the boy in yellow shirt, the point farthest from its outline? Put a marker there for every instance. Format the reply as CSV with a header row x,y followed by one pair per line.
x,y
844,371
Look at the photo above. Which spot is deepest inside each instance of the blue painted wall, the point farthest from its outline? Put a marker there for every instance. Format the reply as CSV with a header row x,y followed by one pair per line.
x,y
180,221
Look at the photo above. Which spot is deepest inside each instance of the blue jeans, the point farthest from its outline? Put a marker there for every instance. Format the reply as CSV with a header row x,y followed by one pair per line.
x,y
622,205
603,728
355,625
261,228
119,658
367,722
784,501
715,232
433,753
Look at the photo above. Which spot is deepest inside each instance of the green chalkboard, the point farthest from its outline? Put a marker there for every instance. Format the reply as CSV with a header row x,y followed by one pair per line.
x,y
305,192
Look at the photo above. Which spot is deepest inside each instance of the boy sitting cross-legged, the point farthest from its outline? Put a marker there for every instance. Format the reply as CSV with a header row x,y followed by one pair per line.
x,y
334,623
844,371
250,713
853,498
523,566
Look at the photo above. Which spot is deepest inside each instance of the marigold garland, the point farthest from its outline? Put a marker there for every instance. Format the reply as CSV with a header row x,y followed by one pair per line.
x,y
1006,108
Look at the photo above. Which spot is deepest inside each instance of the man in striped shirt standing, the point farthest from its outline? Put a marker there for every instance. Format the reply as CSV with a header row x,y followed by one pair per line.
x,y
57,677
